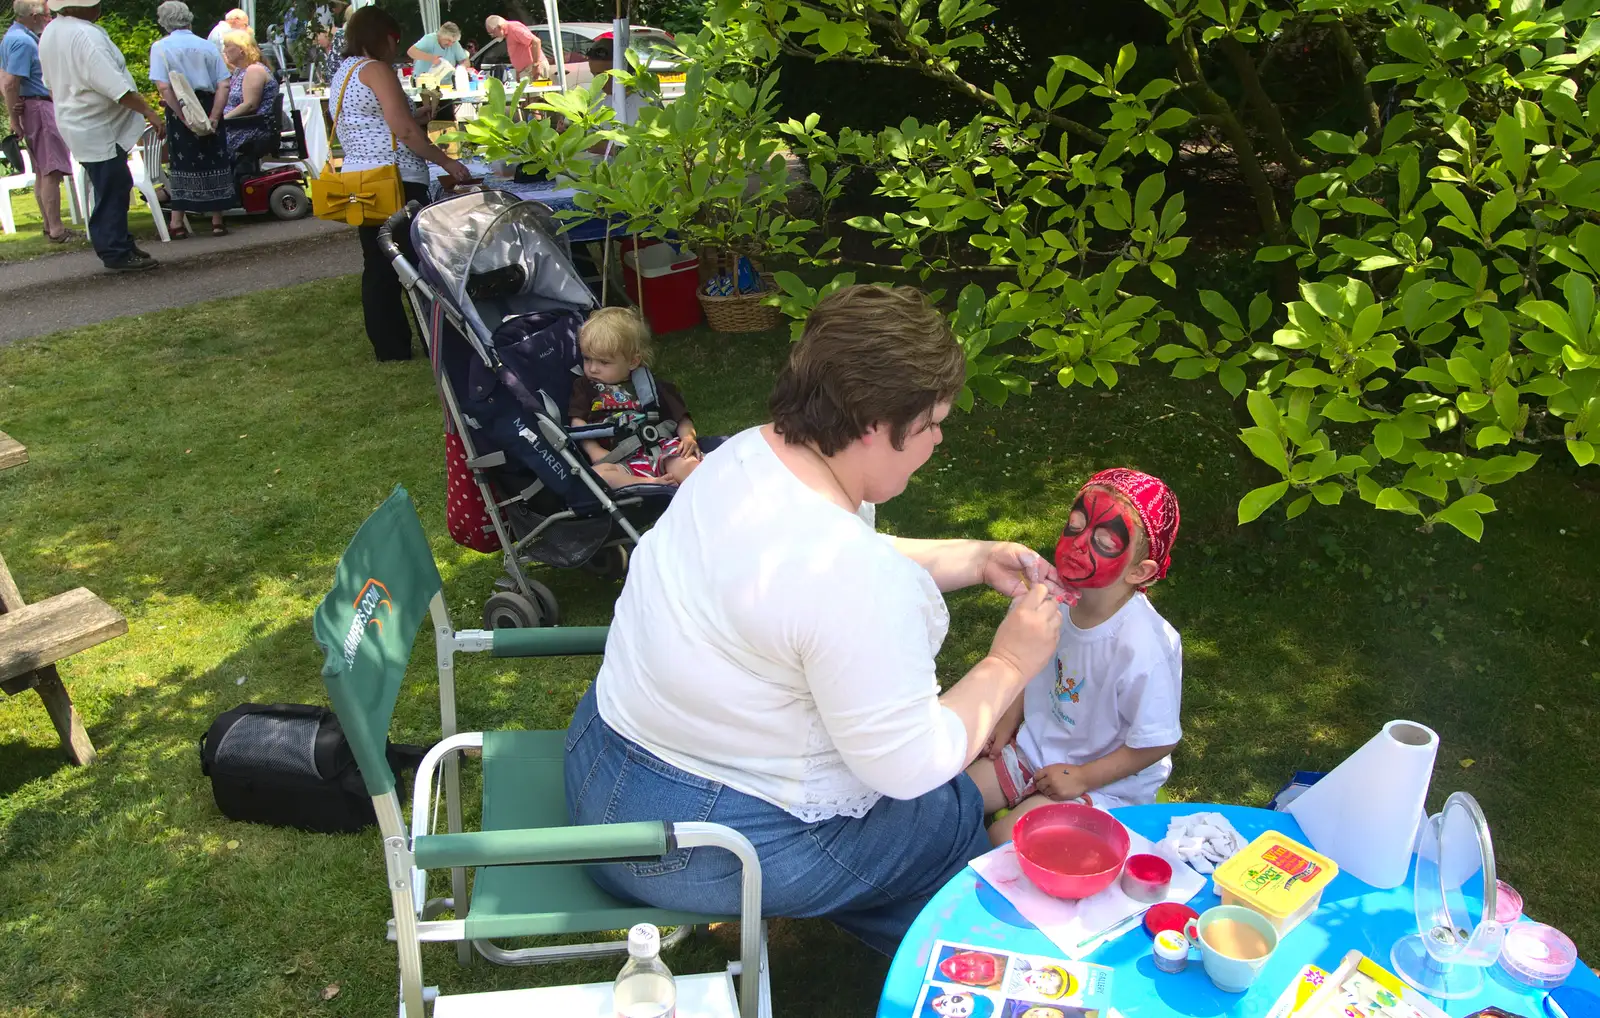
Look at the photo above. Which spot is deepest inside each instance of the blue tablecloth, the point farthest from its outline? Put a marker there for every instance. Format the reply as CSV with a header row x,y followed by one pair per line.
x,y
1352,915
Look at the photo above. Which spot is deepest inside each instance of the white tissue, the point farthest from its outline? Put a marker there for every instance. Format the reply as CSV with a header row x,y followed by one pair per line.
x,y
1203,840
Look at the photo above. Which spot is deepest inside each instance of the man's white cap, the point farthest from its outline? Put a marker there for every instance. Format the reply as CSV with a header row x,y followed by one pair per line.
x,y
57,6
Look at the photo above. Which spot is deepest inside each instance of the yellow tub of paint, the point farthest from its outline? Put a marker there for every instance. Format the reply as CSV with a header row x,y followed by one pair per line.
x,y
1277,877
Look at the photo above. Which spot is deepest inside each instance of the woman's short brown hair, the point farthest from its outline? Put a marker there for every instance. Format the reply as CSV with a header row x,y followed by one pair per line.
x,y
869,355
366,31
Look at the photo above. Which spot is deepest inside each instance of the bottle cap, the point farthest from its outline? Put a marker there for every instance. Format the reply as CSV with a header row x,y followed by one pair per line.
x,y
1172,945
644,941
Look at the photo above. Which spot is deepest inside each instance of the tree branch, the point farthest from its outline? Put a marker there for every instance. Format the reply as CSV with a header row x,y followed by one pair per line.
x,y
1352,56
1266,111
932,66
1194,82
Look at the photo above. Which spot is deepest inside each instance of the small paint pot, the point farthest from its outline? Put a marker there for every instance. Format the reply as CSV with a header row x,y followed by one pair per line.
x,y
1169,915
1171,951
1507,903
1146,878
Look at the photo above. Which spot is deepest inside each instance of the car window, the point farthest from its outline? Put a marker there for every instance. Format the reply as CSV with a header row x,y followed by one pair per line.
x,y
493,53
574,47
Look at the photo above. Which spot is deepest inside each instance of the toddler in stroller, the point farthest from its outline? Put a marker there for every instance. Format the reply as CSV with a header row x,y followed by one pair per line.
x,y
615,343
501,307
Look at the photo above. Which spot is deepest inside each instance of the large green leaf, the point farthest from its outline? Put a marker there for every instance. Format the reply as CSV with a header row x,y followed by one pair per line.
x,y
1260,500
1267,447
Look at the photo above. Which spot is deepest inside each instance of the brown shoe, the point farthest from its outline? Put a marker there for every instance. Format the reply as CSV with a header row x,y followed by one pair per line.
x,y
64,236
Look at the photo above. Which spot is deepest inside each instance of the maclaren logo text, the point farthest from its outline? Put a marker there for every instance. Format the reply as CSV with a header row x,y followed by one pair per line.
x,y
373,596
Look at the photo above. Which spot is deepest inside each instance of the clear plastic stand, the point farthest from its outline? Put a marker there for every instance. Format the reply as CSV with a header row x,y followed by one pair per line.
x,y
1457,937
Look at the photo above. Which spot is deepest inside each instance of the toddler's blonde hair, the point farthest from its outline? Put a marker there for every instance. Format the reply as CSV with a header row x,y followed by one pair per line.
x,y
619,333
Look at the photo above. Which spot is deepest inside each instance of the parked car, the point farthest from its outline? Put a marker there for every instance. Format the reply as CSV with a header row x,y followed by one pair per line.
x,y
651,44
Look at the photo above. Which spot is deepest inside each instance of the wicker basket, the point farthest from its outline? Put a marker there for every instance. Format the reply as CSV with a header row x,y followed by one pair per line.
x,y
743,312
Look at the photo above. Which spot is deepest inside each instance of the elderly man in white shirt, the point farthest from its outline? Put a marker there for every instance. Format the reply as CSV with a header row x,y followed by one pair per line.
x,y
98,112
235,19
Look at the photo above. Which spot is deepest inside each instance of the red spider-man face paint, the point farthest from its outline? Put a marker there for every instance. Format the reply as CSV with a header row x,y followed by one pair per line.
x,y
1097,542
973,968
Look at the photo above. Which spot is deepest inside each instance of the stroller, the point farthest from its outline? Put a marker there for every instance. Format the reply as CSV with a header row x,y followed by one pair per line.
x,y
500,304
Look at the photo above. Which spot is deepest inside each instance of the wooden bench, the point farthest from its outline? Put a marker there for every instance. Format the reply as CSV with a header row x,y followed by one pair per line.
x,y
12,452
33,637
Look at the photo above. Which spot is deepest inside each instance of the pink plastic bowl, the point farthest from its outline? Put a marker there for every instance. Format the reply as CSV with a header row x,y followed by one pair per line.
x,y
1070,850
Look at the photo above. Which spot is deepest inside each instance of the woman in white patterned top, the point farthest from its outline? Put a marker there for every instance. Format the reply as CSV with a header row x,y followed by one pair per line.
x,y
770,664
377,126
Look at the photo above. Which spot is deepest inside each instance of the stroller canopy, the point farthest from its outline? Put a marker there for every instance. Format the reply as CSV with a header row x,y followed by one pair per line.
x,y
491,255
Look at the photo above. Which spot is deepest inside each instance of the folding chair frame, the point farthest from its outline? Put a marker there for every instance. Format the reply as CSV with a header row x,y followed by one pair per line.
x,y
413,922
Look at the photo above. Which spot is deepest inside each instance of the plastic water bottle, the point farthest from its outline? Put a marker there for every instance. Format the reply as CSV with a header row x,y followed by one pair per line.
x,y
463,77
644,988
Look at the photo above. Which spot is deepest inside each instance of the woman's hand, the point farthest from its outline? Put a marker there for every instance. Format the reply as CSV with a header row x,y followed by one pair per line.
x,y
1004,731
1026,640
459,174
1011,569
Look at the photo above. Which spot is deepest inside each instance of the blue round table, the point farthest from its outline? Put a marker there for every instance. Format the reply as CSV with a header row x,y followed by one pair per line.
x,y
1352,915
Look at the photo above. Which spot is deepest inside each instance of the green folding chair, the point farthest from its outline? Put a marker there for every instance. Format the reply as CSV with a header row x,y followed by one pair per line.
x,y
528,861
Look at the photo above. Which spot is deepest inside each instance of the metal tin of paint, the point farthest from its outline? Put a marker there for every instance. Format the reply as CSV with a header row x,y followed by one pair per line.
x,y
1146,878
1171,951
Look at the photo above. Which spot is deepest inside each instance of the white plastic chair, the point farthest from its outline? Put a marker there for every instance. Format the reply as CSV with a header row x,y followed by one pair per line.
x,y
15,182
145,155
18,181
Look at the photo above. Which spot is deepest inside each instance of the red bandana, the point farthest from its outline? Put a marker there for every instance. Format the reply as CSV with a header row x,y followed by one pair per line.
x,y
1156,505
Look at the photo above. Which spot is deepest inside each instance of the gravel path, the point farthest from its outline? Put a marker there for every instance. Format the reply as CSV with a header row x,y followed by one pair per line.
x,y
69,291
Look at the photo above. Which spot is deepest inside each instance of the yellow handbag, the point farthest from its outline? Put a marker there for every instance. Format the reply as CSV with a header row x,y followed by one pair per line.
x,y
357,197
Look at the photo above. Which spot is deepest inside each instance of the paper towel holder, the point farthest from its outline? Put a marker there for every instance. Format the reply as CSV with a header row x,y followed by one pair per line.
x,y
1446,957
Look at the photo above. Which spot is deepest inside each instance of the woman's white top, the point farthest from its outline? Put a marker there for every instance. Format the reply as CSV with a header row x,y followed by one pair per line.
x,y
363,133
771,641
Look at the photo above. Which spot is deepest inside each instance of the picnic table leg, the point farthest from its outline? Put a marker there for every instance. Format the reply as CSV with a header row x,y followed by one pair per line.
x,y
74,737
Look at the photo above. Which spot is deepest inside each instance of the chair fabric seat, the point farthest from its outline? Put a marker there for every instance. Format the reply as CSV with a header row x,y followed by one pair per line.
x,y
523,787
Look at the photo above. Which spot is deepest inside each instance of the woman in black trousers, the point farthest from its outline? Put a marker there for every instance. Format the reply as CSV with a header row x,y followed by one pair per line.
x,y
377,126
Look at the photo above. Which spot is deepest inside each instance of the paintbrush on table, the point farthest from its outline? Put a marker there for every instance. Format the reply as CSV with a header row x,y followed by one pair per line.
x,y
1117,928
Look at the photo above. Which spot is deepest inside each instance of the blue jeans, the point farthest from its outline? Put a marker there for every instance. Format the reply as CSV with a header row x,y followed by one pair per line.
x,y
871,875
108,223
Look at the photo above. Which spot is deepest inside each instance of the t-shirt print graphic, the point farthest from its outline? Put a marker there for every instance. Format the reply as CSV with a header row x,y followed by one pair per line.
x,y
1068,691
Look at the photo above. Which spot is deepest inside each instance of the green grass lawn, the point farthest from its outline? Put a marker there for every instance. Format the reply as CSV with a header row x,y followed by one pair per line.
x,y
202,470
29,240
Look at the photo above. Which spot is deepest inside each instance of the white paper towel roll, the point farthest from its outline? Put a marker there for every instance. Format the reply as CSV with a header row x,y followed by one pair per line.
x,y
1364,814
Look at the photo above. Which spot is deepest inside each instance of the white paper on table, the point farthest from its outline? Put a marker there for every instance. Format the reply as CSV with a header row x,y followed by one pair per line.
x,y
1069,923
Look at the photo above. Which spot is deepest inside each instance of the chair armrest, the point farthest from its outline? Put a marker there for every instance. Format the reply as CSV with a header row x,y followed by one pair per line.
x,y
584,843
557,641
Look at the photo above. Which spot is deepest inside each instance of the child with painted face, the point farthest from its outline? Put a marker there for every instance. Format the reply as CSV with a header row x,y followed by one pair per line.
x,y
1099,724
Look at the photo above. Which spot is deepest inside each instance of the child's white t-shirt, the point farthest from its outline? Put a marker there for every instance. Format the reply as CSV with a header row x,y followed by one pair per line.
x,y
1118,684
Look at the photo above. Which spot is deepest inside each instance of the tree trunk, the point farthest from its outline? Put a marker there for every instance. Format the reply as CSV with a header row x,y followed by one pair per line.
x,y
1222,115
1266,111
1358,66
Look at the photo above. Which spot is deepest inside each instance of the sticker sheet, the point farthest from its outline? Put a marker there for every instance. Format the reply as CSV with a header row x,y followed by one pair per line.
x,y
966,981
1371,991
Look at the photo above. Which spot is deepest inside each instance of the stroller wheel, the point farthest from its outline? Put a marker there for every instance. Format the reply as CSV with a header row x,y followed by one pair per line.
x,y
508,609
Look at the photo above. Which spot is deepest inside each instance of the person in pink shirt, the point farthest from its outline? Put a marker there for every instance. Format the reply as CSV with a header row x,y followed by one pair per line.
x,y
523,48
